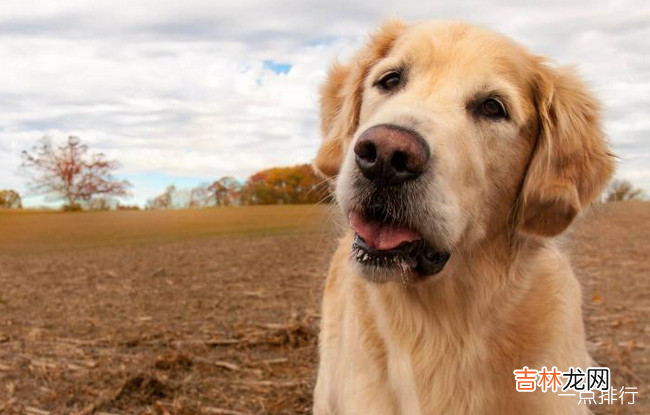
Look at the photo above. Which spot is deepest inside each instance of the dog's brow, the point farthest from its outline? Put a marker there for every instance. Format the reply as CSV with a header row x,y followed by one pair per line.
x,y
385,66
487,91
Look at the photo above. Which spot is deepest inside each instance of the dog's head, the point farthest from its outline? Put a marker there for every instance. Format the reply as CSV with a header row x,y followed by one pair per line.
x,y
438,136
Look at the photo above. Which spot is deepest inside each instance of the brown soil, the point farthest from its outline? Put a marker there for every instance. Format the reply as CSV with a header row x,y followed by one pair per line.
x,y
227,324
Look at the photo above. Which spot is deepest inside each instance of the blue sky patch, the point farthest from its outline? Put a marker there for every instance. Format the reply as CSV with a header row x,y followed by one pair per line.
x,y
277,67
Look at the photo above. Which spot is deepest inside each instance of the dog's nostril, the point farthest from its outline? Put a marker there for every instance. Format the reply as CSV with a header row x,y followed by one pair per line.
x,y
367,151
398,161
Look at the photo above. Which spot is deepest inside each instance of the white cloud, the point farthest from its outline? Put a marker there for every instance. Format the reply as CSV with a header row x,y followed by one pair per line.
x,y
181,88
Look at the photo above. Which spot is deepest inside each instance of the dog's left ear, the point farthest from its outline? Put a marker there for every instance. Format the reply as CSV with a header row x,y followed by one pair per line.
x,y
341,97
571,162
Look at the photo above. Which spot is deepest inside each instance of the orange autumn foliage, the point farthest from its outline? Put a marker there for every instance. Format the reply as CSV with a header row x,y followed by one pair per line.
x,y
285,185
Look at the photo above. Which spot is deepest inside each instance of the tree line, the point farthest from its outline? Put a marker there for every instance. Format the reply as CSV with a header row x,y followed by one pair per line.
x,y
84,180
277,185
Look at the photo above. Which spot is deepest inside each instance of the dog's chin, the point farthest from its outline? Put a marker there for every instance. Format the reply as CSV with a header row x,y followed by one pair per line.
x,y
408,263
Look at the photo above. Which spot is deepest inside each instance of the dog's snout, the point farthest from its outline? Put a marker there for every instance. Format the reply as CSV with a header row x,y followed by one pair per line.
x,y
391,155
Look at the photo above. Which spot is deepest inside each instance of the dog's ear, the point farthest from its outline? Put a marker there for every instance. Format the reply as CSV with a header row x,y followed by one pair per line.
x,y
571,161
341,98
339,106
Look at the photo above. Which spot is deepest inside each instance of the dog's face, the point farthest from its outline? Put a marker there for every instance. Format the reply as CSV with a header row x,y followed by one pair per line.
x,y
440,136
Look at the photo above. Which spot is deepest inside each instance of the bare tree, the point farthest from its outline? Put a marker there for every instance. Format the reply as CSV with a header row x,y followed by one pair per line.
x,y
199,197
620,190
10,199
225,191
163,201
69,173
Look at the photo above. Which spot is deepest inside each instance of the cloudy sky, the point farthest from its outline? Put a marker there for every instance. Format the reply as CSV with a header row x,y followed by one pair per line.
x,y
186,91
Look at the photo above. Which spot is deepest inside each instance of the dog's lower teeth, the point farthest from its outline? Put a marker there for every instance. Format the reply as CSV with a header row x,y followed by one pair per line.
x,y
410,259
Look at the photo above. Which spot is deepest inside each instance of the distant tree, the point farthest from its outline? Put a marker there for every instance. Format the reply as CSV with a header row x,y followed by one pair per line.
x,y
10,199
258,191
163,201
225,191
620,190
199,197
295,184
70,173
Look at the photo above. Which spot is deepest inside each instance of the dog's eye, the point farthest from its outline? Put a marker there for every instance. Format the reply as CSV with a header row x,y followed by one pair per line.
x,y
389,81
492,108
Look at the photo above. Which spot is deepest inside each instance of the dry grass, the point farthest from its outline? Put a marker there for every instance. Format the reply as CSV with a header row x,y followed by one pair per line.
x,y
216,311
45,231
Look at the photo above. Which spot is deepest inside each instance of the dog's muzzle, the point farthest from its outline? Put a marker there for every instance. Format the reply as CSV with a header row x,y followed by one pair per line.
x,y
389,245
391,159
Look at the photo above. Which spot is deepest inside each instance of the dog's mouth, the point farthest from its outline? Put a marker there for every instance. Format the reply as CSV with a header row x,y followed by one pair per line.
x,y
386,245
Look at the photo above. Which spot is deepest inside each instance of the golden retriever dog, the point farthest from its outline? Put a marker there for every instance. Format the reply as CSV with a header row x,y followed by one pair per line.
x,y
457,158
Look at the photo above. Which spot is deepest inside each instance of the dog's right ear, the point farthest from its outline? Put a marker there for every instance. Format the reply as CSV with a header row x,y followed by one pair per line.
x,y
341,98
339,106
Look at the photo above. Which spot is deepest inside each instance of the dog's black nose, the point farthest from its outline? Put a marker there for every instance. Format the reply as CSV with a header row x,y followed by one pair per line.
x,y
390,155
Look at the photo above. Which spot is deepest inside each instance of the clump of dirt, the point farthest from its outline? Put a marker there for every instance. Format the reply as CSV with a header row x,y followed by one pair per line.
x,y
140,389
170,360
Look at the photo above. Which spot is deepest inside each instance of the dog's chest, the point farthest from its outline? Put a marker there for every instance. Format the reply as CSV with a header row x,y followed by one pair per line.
x,y
427,380
432,369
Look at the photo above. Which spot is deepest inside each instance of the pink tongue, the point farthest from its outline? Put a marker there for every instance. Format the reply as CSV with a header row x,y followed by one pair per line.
x,y
381,236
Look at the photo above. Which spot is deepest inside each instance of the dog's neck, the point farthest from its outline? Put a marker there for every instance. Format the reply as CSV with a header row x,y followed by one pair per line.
x,y
476,288
475,313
